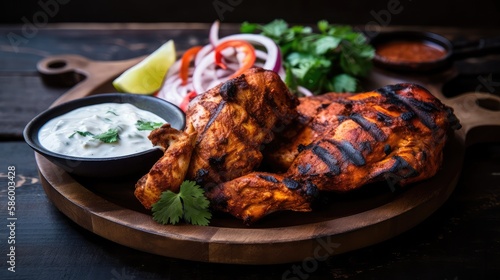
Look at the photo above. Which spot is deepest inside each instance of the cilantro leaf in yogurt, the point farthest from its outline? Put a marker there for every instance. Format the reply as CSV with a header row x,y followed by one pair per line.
x,y
110,136
147,125
82,133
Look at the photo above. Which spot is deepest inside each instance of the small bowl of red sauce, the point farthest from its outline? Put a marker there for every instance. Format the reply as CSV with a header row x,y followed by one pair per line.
x,y
411,51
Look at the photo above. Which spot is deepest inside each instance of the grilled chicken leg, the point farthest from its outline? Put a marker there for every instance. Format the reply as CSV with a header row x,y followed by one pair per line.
x,y
169,171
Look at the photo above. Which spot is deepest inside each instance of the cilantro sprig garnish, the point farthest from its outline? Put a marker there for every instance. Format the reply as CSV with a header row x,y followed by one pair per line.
x,y
82,133
146,125
110,136
190,205
329,59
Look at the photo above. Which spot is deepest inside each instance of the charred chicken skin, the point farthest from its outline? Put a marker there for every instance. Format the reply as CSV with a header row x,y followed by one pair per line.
x,y
340,143
233,121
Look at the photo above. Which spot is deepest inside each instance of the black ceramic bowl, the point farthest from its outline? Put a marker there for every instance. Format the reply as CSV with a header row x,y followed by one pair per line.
x,y
120,166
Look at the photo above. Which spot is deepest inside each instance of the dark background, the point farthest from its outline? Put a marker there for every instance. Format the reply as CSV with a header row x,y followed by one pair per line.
x,y
477,13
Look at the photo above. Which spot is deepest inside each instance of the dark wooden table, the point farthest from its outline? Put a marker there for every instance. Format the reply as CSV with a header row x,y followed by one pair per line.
x,y
459,241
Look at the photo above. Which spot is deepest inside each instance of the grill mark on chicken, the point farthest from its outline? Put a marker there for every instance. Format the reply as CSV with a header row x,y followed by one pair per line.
x,y
370,127
291,184
301,148
213,116
417,107
228,90
407,116
387,149
272,104
365,146
401,165
268,178
304,168
200,174
387,120
312,191
341,118
349,152
217,162
326,157
422,109
424,106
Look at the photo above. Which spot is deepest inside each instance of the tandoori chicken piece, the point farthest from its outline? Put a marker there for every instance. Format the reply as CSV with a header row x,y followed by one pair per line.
x,y
226,128
169,171
280,153
395,133
233,121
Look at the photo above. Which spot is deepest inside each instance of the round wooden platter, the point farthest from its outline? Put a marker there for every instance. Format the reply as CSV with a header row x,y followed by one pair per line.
x,y
348,222
345,222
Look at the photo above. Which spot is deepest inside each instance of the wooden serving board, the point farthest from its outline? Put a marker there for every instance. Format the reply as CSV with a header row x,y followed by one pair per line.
x,y
347,222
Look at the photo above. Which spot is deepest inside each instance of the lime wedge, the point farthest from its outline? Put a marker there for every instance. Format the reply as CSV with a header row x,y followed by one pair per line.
x,y
147,76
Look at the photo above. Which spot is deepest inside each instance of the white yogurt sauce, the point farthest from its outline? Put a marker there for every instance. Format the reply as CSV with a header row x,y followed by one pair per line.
x,y
76,133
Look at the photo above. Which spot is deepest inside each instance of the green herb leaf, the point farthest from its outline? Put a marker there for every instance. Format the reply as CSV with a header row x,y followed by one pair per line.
x,y
168,210
190,204
276,29
195,204
323,26
85,133
247,27
344,83
326,44
82,133
145,125
290,79
109,136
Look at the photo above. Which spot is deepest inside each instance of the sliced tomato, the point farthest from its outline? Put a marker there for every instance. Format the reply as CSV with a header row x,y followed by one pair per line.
x,y
240,46
185,102
186,59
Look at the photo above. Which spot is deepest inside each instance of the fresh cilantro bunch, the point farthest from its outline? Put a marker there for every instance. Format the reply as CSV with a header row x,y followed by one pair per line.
x,y
329,59
190,204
